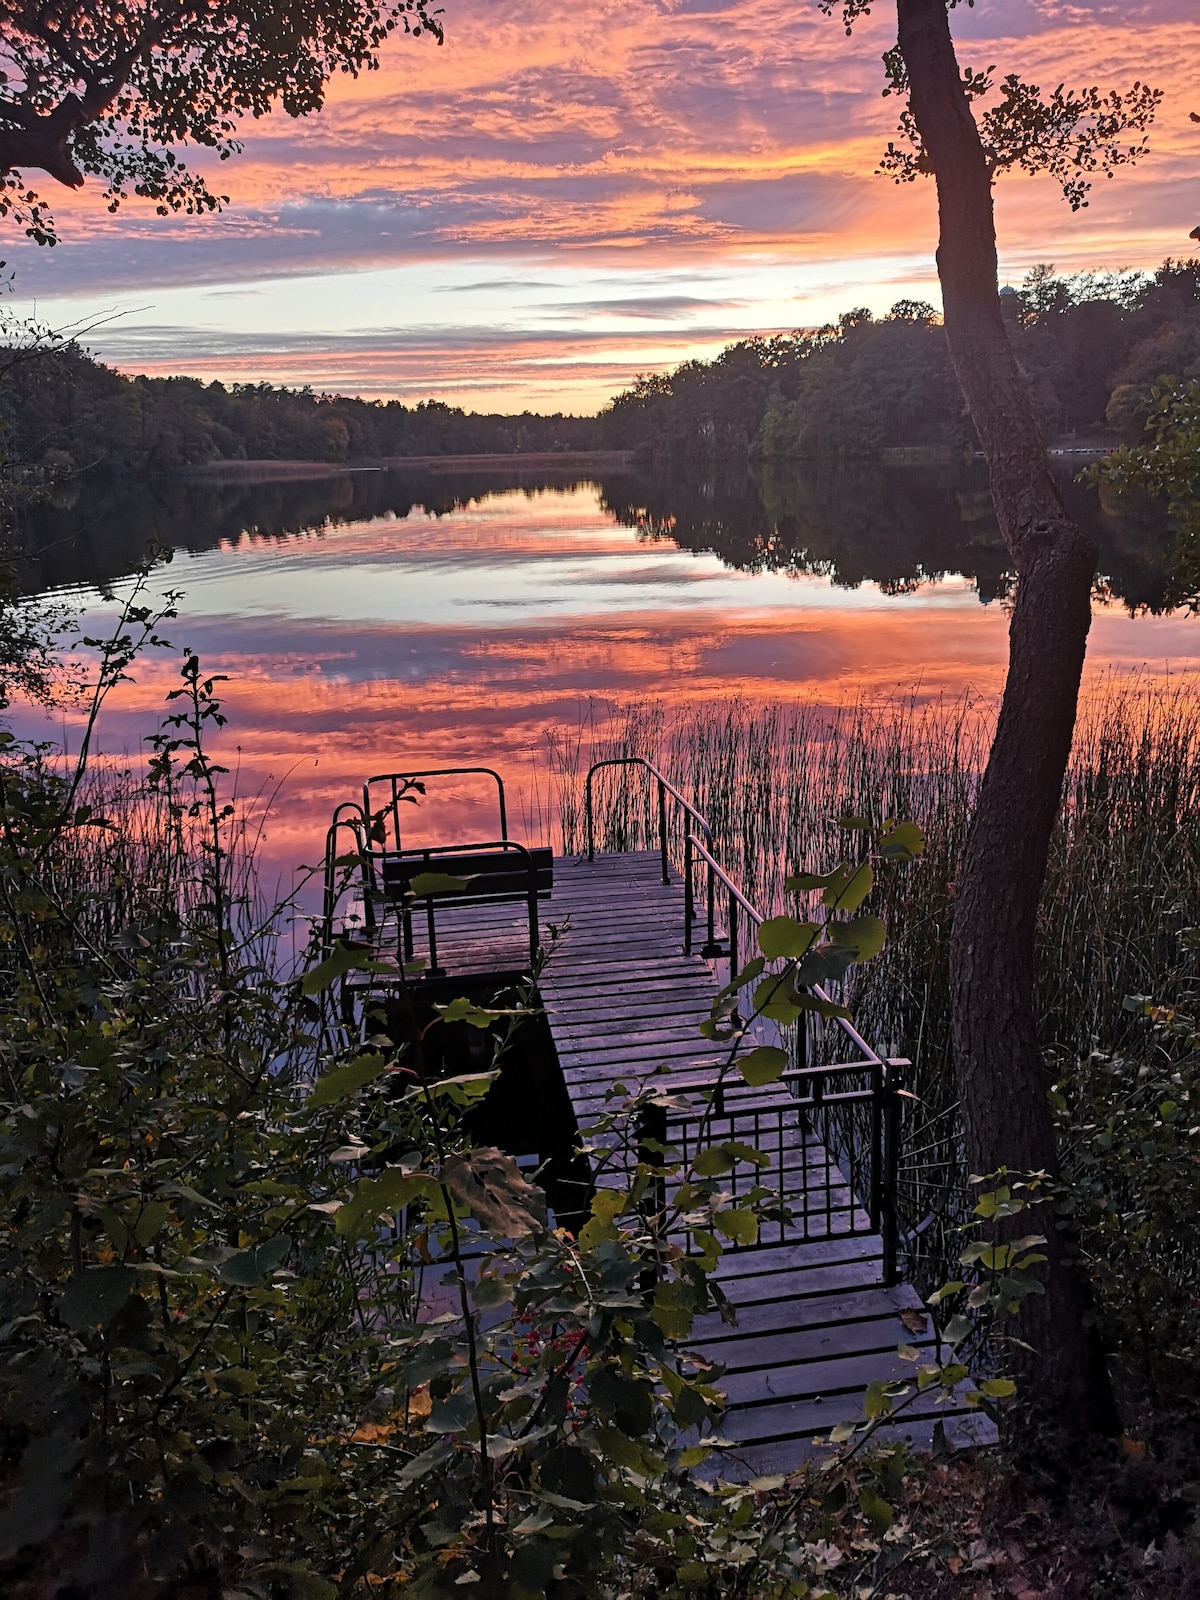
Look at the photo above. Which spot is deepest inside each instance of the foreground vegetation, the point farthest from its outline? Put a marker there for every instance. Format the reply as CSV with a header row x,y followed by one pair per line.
x,y
212,1377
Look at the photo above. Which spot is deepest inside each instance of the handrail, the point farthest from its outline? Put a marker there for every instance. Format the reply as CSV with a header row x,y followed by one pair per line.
x,y
881,1096
665,788
430,772
693,846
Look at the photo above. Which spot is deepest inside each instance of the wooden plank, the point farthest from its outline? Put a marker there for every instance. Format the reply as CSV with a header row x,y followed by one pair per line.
x,y
814,1321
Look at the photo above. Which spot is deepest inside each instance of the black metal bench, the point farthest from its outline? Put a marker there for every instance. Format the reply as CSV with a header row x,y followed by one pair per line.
x,y
499,872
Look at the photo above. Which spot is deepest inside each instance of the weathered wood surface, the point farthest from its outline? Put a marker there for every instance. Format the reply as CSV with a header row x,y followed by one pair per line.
x,y
815,1323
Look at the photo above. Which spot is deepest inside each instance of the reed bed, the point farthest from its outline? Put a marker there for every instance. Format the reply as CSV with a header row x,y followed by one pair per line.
x,y
137,860
1123,882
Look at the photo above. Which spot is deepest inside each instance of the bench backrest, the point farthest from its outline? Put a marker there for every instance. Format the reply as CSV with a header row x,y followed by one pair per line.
x,y
496,875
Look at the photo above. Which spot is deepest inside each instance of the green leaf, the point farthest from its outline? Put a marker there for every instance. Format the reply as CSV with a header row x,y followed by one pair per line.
x,y
877,1402
345,1080
491,1291
864,935
344,958
93,1297
740,980
389,1192
827,963
249,1267
946,1292
748,1153
848,887
766,1063
775,1000
712,1161
461,1090
822,1007
785,938
901,841
613,1445
150,1221
236,1380
629,1402
998,1388
426,883
995,1202
463,1010
709,1246
876,1511
956,1330
115,1228
803,882
738,1224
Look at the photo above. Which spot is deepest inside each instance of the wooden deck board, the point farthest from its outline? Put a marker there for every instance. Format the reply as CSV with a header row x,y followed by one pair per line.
x,y
815,1321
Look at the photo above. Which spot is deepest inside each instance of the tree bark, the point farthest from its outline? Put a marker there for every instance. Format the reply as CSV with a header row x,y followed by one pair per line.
x,y
1002,1086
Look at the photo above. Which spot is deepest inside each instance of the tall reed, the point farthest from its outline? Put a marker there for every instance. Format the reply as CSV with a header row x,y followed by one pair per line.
x,y
773,780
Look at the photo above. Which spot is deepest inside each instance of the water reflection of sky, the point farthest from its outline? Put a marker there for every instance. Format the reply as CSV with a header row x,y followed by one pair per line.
x,y
422,641
557,556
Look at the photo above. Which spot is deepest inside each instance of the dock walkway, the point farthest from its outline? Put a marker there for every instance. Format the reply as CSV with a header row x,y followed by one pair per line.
x,y
816,1322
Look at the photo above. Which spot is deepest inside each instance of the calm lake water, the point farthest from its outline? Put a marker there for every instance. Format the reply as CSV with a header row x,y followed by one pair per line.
x,y
380,620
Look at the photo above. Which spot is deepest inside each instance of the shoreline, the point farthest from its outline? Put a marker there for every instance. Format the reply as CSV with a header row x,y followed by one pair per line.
x,y
542,461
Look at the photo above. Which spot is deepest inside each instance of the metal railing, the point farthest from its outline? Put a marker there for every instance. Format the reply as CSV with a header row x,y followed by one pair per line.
x,y
801,1132
347,816
665,788
858,1122
368,823
400,782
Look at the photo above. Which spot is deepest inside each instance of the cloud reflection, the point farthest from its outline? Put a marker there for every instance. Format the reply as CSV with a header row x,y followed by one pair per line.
x,y
331,677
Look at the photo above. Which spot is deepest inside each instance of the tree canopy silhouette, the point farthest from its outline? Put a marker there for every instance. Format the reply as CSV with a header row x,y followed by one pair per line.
x,y
112,90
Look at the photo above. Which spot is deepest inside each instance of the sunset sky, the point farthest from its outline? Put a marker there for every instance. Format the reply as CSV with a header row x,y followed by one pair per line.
x,y
563,195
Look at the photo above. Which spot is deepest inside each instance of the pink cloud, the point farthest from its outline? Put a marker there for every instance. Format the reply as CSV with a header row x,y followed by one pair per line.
x,y
639,137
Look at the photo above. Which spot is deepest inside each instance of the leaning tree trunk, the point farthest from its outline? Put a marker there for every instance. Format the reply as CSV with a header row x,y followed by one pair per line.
x,y
1000,1076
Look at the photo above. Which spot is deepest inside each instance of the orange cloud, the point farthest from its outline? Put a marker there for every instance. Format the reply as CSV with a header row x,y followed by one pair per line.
x,y
631,141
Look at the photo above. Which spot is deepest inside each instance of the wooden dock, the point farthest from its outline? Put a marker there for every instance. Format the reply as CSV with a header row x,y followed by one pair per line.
x,y
815,1320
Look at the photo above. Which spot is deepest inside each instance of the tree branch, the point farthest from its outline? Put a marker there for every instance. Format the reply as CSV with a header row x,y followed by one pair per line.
x,y
44,142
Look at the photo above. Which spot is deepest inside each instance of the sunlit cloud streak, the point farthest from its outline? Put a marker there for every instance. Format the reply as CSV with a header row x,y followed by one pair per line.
x,y
570,158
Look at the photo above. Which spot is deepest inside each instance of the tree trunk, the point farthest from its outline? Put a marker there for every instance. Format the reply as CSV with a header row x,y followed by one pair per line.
x,y
1000,1076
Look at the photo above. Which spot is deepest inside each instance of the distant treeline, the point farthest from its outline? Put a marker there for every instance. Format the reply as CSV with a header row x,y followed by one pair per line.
x,y
64,409
1091,345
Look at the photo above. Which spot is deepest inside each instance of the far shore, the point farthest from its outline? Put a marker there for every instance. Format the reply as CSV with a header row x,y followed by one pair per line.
x,y
563,460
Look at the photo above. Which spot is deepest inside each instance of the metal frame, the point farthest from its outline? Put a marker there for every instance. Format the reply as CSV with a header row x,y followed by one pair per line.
x,y
394,779
426,853
665,788
357,819
881,1096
